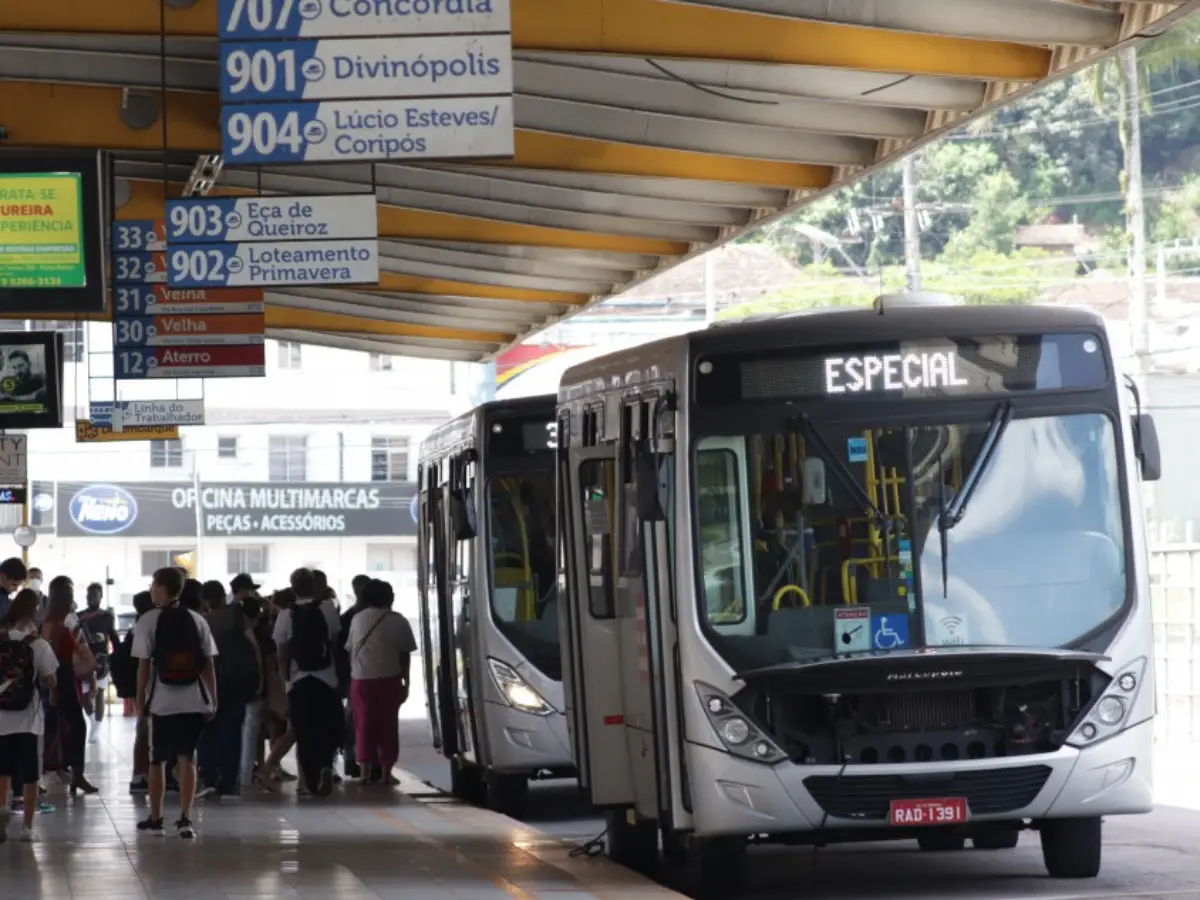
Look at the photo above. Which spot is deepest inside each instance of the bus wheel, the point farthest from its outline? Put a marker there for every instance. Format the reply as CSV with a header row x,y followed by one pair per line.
x,y
466,782
1004,839
940,841
507,794
718,866
633,844
1071,847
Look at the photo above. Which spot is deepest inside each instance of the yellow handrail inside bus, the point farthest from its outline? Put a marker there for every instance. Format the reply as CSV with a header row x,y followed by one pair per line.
x,y
850,585
790,589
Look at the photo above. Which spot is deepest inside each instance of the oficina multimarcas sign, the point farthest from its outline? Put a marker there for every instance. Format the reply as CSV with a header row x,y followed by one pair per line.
x,y
162,509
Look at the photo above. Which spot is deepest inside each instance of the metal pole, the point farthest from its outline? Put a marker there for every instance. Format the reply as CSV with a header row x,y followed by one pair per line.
x,y
710,287
1135,212
912,228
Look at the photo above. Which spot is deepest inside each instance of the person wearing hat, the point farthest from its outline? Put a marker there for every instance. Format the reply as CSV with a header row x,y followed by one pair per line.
x,y
242,586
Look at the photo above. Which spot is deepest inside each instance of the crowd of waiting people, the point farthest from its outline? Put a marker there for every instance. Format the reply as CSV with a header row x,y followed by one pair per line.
x,y
224,685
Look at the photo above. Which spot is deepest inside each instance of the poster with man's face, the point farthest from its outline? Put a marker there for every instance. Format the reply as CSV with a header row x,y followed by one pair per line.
x,y
22,373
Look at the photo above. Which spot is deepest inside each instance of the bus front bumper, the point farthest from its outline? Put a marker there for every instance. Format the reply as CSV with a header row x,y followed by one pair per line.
x,y
733,796
524,743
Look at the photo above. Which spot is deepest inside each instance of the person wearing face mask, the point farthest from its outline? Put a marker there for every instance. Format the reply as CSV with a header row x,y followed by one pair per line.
x,y
12,576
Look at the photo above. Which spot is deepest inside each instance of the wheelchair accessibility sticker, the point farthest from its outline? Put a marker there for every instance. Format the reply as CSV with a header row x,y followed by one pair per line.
x,y
889,632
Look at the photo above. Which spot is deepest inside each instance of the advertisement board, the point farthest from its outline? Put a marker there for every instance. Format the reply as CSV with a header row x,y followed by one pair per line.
x,y
235,509
41,230
52,259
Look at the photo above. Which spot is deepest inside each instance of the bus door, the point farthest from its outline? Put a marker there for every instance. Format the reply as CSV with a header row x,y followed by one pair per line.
x,y
427,590
594,666
645,607
461,523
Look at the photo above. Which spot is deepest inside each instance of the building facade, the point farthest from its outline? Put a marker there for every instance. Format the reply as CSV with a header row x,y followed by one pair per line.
x,y
313,465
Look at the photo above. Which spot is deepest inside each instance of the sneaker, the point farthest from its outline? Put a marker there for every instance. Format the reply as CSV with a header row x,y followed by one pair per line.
x,y
139,786
151,824
325,784
27,835
184,828
45,808
205,792
282,774
17,806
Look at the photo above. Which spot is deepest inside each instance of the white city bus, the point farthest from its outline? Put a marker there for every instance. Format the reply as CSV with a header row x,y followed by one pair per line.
x,y
857,575
489,601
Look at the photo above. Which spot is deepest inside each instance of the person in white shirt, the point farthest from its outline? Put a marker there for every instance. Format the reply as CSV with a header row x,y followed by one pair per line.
x,y
305,636
177,688
380,645
27,663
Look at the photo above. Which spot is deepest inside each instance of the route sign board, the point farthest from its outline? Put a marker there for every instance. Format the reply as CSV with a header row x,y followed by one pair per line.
x,y
138,235
160,300
275,264
141,413
89,432
189,330
363,130
139,268
243,361
275,19
448,66
214,220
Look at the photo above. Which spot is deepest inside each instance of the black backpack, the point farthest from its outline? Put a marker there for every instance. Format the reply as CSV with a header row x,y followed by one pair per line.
x,y
18,671
237,663
98,644
123,668
312,649
178,652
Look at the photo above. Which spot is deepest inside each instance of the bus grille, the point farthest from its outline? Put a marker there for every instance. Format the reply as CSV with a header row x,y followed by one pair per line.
x,y
987,791
925,709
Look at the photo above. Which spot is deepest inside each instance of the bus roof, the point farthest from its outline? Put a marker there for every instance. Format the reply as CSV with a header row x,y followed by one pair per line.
x,y
461,432
831,326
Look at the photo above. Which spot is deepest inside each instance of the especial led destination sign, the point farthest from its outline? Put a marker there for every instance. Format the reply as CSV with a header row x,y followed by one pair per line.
x,y
933,367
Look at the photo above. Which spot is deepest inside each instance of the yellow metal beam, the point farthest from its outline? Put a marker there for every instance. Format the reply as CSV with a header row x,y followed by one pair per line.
x,y
292,319
288,318
62,115
417,284
625,27
146,201
562,152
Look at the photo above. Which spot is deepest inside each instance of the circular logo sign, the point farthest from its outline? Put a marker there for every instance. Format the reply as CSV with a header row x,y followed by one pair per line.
x,y
103,509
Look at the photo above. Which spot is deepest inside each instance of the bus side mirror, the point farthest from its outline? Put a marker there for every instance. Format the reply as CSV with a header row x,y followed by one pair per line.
x,y
462,515
651,493
1145,446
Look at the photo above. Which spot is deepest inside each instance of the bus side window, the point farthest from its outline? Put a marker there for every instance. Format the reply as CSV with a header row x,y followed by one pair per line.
x,y
596,476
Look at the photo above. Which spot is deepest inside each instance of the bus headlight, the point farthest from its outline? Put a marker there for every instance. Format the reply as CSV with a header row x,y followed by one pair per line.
x,y
1109,714
735,731
516,691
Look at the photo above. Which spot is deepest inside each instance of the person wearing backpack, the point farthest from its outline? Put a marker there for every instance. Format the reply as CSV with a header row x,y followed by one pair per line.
x,y
123,669
177,688
306,636
239,677
98,626
27,663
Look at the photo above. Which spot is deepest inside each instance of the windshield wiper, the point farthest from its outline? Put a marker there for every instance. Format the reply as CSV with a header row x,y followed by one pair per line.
x,y
954,513
843,473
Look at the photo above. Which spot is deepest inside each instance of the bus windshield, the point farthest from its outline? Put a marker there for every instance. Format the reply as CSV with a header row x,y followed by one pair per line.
x,y
834,539
524,590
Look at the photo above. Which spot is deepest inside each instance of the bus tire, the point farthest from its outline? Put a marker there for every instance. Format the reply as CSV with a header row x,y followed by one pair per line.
x,y
507,794
1004,839
466,782
941,841
1071,847
633,845
718,867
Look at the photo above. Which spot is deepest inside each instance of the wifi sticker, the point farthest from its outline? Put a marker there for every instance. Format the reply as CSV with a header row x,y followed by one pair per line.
x,y
950,631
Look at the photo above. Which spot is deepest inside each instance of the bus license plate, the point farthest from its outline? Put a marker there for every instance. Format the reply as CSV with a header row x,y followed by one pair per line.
x,y
942,811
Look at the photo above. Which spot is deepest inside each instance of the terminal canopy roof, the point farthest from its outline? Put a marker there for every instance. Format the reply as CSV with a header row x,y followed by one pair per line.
x,y
647,131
